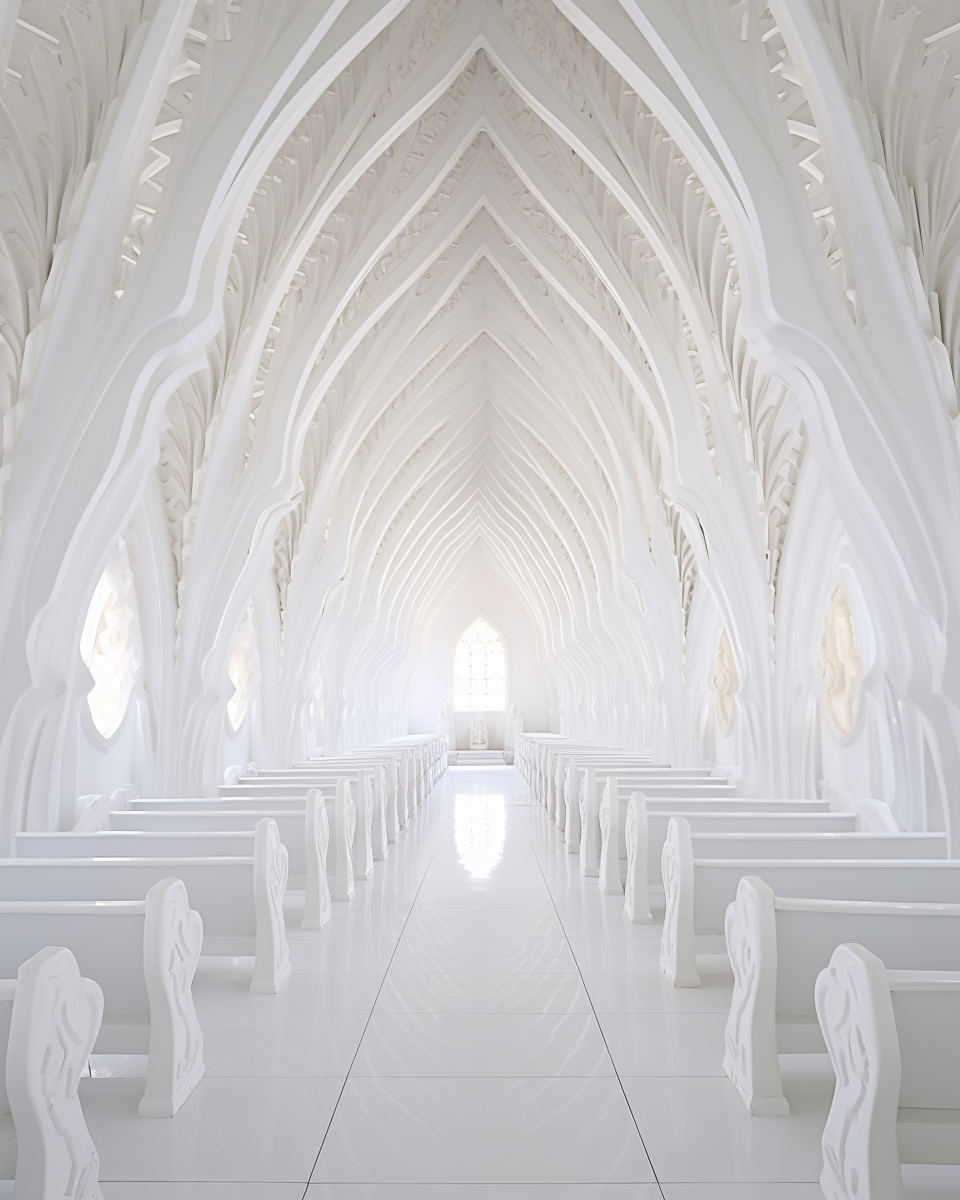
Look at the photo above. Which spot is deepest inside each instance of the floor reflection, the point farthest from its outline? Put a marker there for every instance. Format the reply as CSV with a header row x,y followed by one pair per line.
x,y
479,829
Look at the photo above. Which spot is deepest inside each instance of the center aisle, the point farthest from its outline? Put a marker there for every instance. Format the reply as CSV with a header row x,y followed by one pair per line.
x,y
487,1059
477,1022
483,1061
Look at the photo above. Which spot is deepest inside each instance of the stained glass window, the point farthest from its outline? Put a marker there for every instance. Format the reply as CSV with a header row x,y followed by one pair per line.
x,y
479,670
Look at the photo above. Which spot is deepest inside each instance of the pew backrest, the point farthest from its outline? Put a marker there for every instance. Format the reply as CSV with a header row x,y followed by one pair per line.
x,y
240,900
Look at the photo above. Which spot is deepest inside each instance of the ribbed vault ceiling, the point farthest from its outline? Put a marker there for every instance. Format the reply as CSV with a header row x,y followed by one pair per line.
x,y
451,313
479,293
568,279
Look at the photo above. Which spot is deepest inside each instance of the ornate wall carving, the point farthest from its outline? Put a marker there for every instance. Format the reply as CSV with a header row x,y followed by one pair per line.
x,y
839,663
726,684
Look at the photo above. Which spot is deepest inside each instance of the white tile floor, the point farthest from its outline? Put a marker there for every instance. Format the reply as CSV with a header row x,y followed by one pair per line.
x,y
478,1022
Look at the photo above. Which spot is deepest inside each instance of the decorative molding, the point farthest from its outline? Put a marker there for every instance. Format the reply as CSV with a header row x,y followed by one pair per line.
x,y
726,683
67,66
839,664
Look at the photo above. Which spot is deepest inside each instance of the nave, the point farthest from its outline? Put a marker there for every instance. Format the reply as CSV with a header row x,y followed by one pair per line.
x,y
478,1014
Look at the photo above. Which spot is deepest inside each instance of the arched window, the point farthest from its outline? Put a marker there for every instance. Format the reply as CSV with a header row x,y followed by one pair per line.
x,y
244,669
108,643
479,670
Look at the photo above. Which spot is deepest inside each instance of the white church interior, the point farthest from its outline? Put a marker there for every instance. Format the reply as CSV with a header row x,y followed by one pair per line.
x,y
479,505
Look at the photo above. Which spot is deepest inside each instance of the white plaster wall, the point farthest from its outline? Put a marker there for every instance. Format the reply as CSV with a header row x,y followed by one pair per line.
x,y
480,587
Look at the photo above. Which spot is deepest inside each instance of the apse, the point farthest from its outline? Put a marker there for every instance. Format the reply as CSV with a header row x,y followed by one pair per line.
x,y
481,589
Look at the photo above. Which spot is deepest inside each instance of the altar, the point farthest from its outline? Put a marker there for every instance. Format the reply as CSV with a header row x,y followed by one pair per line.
x,y
493,723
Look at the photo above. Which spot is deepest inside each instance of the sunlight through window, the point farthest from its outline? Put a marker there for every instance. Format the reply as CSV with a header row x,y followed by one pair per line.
x,y
480,670
108,644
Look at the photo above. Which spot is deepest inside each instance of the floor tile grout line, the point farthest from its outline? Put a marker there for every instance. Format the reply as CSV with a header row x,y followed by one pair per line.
x,y
593,1010
366,1025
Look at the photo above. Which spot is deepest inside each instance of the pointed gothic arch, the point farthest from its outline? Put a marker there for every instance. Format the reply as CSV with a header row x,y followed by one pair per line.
x,y
480,676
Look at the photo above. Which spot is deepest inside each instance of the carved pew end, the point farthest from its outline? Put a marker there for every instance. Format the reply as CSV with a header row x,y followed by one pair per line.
x,y
678,954
270,870
172,940
55,1021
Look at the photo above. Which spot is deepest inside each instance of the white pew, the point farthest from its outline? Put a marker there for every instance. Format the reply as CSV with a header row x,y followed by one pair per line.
x,y
661,808
136,844
389,783
143,955
203,807
294,784
818,845
637,771
428,756
643,834
659,781
585,791
205,834
583,811
240,900
698,892
778,947
53,1016
368,795
892,1039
